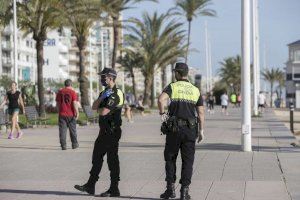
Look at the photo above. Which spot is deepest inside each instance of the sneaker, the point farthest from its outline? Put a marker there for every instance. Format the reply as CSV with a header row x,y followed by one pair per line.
x,y
19,135
10,136
63,148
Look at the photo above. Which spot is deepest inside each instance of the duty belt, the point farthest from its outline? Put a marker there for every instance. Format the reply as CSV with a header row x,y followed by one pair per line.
x,y
182,122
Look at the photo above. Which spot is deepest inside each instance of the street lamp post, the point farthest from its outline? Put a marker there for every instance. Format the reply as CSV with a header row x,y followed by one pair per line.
x,y
15,42
246,105
207,58
90,67
255,57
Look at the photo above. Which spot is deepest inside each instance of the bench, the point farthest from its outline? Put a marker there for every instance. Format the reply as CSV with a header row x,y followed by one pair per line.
x,y
33,118
90,114
4,120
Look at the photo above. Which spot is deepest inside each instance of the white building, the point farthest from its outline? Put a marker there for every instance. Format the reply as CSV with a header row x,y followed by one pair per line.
x,y
56,56
26,55
293,74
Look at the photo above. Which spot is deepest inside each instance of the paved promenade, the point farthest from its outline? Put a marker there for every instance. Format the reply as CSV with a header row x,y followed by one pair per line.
x,y
34,167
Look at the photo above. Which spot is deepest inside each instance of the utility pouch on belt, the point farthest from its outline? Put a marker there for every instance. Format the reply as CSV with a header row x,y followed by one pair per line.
x,y
192,123
172,124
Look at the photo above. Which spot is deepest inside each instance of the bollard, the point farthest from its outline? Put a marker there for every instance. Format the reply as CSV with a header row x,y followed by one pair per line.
x,y
292,117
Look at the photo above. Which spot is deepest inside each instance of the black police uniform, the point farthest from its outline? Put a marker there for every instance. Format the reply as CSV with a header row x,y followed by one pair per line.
x,y
183,108
108,138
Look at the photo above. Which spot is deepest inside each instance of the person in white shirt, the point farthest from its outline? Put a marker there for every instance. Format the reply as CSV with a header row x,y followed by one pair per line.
x,y
261,102
224,103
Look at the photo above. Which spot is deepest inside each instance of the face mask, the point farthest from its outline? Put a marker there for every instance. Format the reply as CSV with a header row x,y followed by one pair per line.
x,y
103,82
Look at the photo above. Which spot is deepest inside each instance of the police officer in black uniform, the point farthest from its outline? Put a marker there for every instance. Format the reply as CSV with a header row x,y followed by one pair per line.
x,y
184,121
109,105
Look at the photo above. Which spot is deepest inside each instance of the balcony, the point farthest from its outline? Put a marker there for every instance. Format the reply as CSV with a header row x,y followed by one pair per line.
x,y
62,48
63,61
8,30
6,61
6,45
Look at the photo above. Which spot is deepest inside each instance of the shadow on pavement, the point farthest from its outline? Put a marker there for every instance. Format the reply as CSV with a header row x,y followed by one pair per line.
x,y
237,147
132,197
39,192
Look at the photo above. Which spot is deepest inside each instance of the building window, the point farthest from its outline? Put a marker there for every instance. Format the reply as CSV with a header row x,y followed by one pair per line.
x,y
289,77
27,58
297,55
290,95
297,75
27,43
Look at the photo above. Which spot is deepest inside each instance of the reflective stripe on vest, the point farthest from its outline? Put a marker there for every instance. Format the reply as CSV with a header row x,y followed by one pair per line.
x,y
121,96
184,91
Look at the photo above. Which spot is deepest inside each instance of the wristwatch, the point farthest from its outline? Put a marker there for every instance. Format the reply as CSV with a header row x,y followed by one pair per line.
x,y
161,113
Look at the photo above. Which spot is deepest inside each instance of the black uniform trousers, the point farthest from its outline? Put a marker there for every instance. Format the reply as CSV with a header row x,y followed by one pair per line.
x,y
106,143
183,140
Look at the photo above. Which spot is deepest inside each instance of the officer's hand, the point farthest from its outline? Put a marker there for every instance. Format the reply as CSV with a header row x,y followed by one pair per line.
x,y
164,117
200,136
106,94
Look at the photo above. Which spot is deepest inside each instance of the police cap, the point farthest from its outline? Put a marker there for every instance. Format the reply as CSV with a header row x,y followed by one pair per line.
x,y
108,72
182,67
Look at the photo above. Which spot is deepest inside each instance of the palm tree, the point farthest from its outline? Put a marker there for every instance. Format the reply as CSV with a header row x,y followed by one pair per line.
x,y
191,9
271,76
130,61
80,16
5,13
114,10
230,72
38,17
151,37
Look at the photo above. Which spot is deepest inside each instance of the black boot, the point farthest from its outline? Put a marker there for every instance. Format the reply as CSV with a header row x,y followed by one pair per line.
x,y
170,192
184,193
113,191
90,189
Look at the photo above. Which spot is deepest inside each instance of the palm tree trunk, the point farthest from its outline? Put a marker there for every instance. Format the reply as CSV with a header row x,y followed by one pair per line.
x,y
148,86
1,29
133,84
271,99
173,74
188,44
116,41
82,79
163,78
40,82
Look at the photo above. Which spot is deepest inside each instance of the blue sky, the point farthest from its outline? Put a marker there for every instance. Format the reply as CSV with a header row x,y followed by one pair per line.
x,y
279,26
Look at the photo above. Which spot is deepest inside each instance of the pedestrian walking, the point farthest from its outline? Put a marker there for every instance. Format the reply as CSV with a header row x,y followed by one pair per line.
x,y
261,102
128,107
67,103
109,105
239,100
182,130
233,99
15,102
224,103
140,106
211,102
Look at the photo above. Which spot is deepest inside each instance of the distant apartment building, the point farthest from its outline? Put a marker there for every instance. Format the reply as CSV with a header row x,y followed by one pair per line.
x,y
26,55
293,74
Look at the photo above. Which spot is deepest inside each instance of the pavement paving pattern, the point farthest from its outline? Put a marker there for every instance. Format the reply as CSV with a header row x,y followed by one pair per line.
x,y
34,167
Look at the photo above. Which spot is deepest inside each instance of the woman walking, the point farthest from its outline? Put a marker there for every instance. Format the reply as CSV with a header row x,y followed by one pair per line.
x,y
14,99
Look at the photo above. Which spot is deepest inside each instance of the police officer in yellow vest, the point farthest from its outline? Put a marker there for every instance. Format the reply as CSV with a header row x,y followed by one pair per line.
x,y
109,105
184,121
